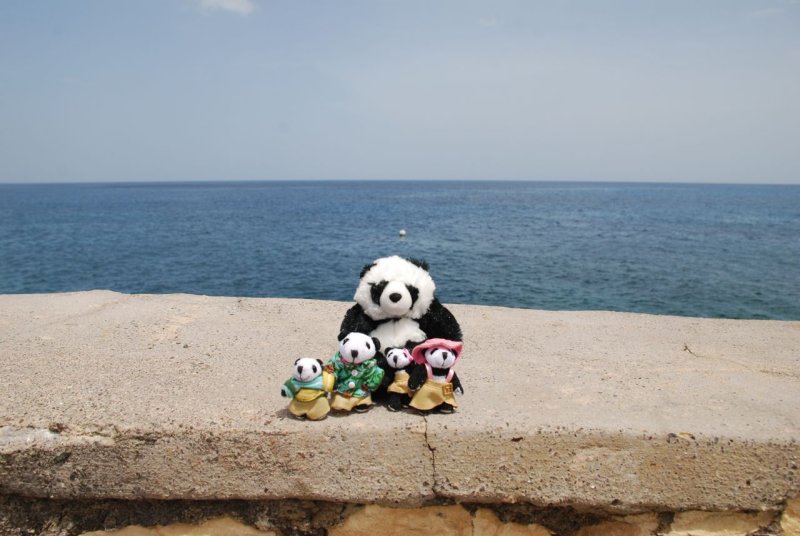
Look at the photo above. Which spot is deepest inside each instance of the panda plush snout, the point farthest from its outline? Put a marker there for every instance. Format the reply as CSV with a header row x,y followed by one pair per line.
x,y
440,358
306,369
397,358
396,299
358,347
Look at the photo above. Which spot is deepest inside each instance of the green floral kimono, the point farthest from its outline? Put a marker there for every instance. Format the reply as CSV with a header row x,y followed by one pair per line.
x,y
355,380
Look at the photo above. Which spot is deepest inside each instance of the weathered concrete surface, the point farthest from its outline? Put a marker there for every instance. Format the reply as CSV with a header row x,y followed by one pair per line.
x,y
177,396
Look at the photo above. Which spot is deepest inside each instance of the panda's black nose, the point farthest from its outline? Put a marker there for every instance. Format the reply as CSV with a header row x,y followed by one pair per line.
x,y
354,353
395,297
300,369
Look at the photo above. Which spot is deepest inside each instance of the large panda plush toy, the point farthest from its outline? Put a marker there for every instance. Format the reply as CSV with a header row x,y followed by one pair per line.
x,y
395,303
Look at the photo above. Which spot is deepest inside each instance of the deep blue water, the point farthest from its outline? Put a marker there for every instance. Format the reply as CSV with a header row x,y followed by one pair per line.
x,y
697,250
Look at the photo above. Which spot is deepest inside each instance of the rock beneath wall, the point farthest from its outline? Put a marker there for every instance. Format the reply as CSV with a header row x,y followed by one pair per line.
x,y
790,520
216,527
487,523
451,520
718,523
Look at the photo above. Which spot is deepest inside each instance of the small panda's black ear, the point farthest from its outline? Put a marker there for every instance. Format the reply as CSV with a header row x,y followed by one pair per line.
x,y
321,364
377,344
419,262
365,269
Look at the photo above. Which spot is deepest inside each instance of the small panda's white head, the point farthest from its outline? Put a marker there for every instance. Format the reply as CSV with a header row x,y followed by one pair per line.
x,y
398,358
356,348
306,369
440,357
438,353
394,287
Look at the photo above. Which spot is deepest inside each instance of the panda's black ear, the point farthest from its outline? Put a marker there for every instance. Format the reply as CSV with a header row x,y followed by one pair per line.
x,y
377,344
321,364
419,262
365,269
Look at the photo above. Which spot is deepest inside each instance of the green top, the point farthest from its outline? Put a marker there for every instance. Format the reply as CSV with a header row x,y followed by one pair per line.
x,y
293,385
365,376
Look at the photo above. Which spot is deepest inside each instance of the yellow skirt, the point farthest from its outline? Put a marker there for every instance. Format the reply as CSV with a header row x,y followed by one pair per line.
x,y
400,384
433,394
313,409
347,403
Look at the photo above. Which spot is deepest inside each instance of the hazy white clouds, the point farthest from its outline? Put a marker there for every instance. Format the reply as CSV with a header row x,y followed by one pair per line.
x,y
774,9
767,12
243,7
361,89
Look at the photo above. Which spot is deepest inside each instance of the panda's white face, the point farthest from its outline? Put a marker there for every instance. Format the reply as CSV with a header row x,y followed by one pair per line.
x,y
440,357
396,299
394,287
306,369
356,348
398,358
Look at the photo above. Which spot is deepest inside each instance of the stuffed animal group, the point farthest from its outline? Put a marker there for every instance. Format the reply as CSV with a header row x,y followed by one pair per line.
x,y
395,309
350,376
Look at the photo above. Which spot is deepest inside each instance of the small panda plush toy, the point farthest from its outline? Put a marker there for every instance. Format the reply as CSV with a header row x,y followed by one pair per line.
x,y
397,366
356,372
435,381
309,387
395,303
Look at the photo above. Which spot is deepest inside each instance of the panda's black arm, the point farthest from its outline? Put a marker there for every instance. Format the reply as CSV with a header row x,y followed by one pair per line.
x,y
418,376
439,323
388,377
456,382
388,371
355,320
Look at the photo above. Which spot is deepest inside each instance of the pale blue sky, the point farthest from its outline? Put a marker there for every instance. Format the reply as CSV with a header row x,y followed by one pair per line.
x,y
694,91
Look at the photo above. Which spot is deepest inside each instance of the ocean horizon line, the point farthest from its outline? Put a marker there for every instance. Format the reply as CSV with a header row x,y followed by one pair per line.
x,y
174,182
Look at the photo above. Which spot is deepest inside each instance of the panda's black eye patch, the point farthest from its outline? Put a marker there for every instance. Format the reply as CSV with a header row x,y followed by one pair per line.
x,y
414,291
313,368
369,347
376,290
345,340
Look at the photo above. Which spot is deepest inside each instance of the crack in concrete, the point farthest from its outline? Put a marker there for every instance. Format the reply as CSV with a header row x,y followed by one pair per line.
x,y
432,450
687,349
744,366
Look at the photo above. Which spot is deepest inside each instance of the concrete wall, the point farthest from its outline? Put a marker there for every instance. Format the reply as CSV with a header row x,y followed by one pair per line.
x,y
176,397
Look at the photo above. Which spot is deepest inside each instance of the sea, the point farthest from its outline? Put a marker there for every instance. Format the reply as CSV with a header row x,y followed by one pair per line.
x,y
705,250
